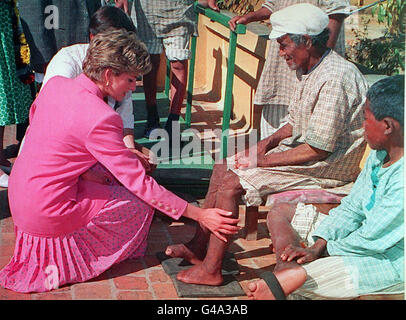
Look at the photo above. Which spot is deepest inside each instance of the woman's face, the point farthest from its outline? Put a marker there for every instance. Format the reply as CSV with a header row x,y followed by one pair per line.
x,y
120,84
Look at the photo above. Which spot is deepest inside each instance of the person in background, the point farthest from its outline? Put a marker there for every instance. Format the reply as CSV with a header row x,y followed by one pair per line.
x,y
70,226
163,24
52,25
15,78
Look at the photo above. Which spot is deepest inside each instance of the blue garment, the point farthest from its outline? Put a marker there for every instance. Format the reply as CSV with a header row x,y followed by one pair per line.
x,y
367,229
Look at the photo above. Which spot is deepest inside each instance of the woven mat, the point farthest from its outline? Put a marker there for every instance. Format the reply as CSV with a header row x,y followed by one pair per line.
x,y
230,287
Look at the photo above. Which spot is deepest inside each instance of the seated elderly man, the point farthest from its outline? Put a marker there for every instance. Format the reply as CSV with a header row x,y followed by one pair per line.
x,y
359,247
320,147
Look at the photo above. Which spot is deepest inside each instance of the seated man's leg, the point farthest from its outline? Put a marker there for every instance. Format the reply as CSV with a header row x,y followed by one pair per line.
x,y
195,250
209,271
282,233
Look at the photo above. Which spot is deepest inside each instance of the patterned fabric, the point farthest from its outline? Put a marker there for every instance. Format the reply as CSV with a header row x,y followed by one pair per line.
x,y
51,25
273,118
68,63
163,23
15,96
275,84
326,113
370,236
164,18
118,232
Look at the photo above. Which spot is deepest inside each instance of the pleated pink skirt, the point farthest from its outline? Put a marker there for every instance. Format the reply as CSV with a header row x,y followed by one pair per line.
x,y
118,232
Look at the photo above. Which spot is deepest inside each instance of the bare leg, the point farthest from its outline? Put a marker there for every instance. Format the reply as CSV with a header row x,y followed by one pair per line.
x,y
289,279
282,233
150,80
150,91
195,250
209,271
178,90
178,85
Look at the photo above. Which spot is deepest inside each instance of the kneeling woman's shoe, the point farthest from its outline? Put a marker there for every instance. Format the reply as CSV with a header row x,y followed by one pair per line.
x,y
4,181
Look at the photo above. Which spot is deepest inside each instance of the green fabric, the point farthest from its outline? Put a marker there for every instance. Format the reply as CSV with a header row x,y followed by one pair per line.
x,y
15,97
367,229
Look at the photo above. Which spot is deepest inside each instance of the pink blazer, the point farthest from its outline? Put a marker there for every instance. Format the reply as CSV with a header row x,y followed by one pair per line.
x,y
71,129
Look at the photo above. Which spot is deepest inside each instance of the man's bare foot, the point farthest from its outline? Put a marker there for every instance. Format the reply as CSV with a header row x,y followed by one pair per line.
x,y
182,251
259,290
199,275
289,279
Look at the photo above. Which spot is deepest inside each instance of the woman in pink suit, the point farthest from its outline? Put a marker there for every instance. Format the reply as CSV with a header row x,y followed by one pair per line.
x,y
70,225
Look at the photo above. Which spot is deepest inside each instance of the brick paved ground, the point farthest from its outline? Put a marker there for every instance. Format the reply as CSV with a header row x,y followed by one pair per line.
x,y
140,279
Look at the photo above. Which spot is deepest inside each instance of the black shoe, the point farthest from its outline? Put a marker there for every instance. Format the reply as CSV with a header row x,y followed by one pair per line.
x,y
150,128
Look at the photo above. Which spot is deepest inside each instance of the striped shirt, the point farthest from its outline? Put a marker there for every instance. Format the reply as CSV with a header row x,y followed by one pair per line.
x,y
367,229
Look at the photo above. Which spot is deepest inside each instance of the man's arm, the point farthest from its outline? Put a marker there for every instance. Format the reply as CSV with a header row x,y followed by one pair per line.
x,y
296,156
273,140
259,15
335,23
244,159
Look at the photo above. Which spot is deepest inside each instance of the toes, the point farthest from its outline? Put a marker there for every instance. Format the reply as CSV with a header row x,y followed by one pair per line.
x,y
252,286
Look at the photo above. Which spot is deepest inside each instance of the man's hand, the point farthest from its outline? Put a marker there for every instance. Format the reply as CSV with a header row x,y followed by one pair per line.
x,y
303,254
237,20
122,4
212,4
245,160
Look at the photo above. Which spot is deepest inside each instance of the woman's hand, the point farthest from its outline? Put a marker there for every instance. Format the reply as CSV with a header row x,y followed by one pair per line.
x,y
219,223
216,220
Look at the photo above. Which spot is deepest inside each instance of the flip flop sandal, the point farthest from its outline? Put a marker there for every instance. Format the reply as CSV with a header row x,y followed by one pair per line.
x,y
273,285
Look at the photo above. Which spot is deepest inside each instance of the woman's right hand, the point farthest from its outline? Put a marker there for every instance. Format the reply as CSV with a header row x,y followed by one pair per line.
x,y
216,220
219,223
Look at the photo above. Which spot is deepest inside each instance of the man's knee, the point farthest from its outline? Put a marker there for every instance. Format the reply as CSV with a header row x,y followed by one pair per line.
x,y
279,212
231,186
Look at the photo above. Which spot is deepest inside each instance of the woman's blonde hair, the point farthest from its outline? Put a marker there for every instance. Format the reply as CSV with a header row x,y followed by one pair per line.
x,y
118,50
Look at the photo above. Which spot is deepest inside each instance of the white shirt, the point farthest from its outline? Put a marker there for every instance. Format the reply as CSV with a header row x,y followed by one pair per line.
x,y
68,62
